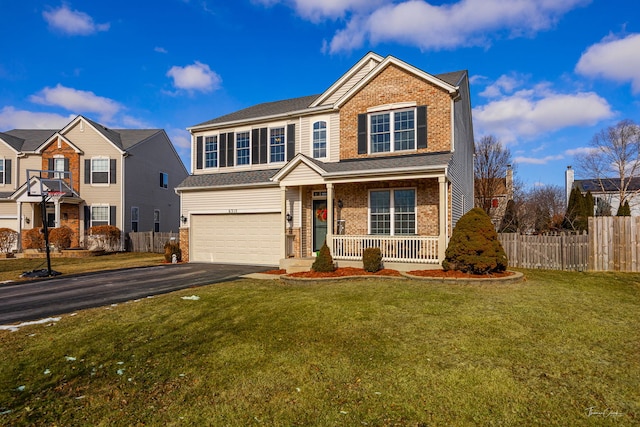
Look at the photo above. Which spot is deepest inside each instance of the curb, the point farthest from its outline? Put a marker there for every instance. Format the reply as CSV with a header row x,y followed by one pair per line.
x,y
516,277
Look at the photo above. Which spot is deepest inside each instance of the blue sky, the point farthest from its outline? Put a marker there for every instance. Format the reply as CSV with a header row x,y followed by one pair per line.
x,y
546,75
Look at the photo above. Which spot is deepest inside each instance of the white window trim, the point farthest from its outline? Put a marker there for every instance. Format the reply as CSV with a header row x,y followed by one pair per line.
x,y
101,184
284,135
392,131
4,171
236,151
204,152
392,209
328,124
100,205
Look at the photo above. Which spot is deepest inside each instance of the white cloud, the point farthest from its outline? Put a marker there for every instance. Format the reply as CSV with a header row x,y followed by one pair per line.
x,y
180,138
160,49
72,22
464,23
616,59
317,10
504,85
10,118
529,113
78,101
537,160
195,77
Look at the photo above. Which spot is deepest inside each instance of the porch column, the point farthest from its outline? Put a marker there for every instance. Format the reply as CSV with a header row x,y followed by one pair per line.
x,y
442,217
330,216
283,222
56,207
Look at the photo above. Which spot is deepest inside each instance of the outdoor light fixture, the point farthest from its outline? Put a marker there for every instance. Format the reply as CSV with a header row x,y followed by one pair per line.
x,y
289,217
340,204
183,219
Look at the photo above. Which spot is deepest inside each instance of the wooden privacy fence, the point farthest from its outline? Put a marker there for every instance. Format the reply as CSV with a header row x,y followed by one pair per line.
x,y
614,244
561,251
149,241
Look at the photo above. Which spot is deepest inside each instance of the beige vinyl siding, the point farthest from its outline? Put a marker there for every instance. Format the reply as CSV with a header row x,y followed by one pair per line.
x,y
351,82
238,200
302,175
23,164
333,136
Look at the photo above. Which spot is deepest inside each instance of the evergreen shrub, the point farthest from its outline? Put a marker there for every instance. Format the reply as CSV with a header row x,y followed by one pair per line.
x,y
324,261
474,246
372,259
60,237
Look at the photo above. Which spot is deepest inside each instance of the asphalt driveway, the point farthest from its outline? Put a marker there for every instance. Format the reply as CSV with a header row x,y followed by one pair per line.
x,y
33,300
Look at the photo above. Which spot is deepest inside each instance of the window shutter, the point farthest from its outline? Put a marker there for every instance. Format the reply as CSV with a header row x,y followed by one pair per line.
x,y
66,165
263,145
7,171
291,141
223,150
199,152
50,166
362,134
421,126
112,215
161,180
87,217
255,146
230,149
87,171
112,171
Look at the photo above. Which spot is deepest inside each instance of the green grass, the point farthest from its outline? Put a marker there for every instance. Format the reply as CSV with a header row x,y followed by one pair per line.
x,y
362,352
11,269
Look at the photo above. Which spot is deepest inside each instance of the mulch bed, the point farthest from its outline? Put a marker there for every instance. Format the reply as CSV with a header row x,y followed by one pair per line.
x,y
275,272
451,274
346,271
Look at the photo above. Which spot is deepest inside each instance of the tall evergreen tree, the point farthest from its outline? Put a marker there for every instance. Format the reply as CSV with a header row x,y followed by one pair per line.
x,y
509,222
624,209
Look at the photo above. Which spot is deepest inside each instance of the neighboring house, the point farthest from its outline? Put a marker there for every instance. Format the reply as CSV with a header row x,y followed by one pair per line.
x,y
497,203
122,177
383,157
605,192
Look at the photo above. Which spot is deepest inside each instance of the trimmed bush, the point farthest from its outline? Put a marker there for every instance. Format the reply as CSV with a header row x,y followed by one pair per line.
x,y
474,246
60,237
33,239
170,249
324,261
8,238
372,259
106,237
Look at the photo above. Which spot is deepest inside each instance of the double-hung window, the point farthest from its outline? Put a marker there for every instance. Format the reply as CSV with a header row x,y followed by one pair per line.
x,y
99,215
59,166
319,139
243,149
392,212
2,177
100,171
211,151
392,131
276,145
156,220
164,180
135,217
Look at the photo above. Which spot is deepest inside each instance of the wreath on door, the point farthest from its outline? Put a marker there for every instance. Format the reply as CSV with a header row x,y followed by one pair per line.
x,y
321,214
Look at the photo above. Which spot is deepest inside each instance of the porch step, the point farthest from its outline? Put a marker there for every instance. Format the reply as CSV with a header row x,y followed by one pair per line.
x,y
296,265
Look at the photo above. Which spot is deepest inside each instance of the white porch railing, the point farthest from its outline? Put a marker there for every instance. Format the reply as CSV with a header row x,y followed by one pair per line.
x,y
419,249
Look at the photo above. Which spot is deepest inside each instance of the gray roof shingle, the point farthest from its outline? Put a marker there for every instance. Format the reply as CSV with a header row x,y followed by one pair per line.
x,y
228,179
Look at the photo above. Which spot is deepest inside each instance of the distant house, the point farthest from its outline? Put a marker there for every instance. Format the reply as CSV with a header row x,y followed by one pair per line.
x,y
383,157
605,192
122,177
496,204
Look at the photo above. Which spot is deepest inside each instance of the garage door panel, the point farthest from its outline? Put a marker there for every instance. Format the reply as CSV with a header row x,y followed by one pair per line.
x,y
237,238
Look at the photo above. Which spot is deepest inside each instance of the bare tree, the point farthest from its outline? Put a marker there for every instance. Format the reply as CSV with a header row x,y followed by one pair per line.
x,y
614,160
542,209
491,162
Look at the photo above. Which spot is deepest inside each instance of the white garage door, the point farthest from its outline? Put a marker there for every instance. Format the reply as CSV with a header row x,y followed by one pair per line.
x,y
236,239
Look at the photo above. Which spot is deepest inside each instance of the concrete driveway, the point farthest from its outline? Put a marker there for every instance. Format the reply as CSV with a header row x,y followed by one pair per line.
x,y
23,301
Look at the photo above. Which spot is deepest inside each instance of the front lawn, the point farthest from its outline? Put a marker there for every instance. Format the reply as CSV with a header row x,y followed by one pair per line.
x,y
558,349
11,269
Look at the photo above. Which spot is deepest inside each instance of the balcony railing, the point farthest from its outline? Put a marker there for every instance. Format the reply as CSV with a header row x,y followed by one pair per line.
x,y
419,249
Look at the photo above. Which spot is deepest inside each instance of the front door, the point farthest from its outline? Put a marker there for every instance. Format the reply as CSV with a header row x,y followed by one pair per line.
x,y
319,223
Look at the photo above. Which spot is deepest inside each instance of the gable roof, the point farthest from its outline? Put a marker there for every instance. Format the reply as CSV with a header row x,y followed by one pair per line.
x,y
313,103
30,140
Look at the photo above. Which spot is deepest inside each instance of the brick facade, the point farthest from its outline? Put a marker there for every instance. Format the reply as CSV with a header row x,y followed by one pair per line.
x,y
184,243
395,85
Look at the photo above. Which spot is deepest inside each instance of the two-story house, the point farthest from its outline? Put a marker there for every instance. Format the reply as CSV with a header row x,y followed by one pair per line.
x,y
383,157
121,177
